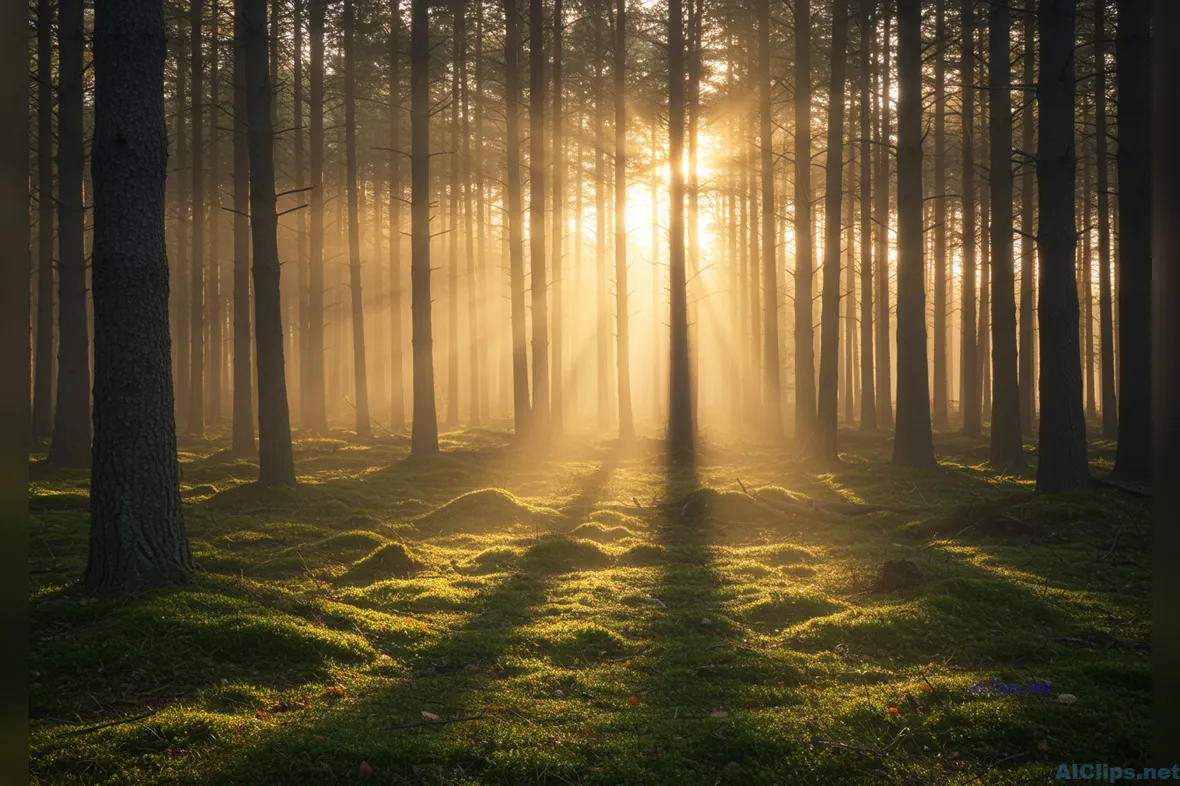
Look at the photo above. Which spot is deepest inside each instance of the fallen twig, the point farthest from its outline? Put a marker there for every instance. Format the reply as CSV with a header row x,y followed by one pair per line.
x,y
438,722
106,725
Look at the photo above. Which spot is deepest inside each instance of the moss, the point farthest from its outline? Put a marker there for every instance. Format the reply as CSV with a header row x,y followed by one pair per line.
x,y
563,555
392,560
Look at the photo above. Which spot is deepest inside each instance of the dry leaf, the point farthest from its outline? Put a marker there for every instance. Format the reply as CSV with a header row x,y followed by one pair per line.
x,y
429,715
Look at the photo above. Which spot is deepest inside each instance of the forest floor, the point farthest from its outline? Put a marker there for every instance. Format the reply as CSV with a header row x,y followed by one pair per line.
x,y
598,616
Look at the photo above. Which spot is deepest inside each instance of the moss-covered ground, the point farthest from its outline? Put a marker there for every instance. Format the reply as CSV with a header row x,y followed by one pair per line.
x,y
597,616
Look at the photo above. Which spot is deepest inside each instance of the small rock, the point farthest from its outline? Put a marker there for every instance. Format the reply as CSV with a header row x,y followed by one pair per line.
x,y
559,693
1067,698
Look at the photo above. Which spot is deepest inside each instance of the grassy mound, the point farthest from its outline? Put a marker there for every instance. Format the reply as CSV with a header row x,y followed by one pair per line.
x,y
728,507
592,530
556,554
783,611
643,555
390,561
485,509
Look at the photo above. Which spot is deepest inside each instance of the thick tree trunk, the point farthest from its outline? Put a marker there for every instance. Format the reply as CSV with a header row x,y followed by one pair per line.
x,y
364,428
424,437
539,283
1062,464
772,414
912,445
626,419
276,465
1006,447
196,377
1027,353
881,200
680,416
137,537
520,367
559,230
939,411
969,364
42,425
805,411
243,401
1132,52
1110,410
868,400
71,425
825,447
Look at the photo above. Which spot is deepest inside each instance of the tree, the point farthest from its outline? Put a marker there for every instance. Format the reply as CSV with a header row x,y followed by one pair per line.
x,y
868,401
137,536
772,415
559,230
1133,81
243,403
42,424
397,403
940,220
680,416
1007,450
215,315
520,368
626,420
473,263
276,464
1062,461
71,424
969,366
539,284
1026,358
805,412
881,208
825,447
424,437
1110,410
196,376
912,444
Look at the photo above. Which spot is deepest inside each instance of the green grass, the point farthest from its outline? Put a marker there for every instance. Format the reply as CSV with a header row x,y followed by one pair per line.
x,y
611,619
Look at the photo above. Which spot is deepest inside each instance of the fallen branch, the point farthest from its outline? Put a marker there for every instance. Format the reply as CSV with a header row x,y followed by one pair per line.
x,y
439,722
106,725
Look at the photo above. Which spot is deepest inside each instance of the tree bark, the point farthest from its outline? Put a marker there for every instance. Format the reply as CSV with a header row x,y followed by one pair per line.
x,y
42,424
805,405
216,316
1027,358
452,238
772,415
939,411
559,230
603,307
539,284
868,399
276,465
424,437
881,198
680,416
1133,80
364,428
473,260
1006,447
1110,410
243,400
1062,462
626,419
196,376
912,444
969,363
301,258
137,536
520,368
313,393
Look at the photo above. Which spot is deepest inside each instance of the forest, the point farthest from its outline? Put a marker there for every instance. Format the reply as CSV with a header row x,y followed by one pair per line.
x,y
569,391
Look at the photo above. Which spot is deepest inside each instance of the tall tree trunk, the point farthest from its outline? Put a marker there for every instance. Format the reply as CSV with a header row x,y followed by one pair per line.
x,y
805,411
868,400
216,317
939,412
42,424
71,426
559,229
137,537
881,198
825,447
453,236
301,258
1027,357
985,256
656,278
1062,462
771,381
1087,277
480,312
693,65
364,428
243,401
180,274
1133,80
603,309
196,395
680,416
397,403
912,445
1006,448
520,368
540,284
848,295
276,465
1110,411
313,377
626,419
969,364
473,260
424,437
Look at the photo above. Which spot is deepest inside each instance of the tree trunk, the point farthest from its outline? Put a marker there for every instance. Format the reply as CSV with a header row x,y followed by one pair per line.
x,y
969,362
520,367
180,276
137,537
805,411
480,312
559,230
1006,448
884,365
983,351
1087,289
539,284
452,420
939,412
868,400
213,303
825,447
912,445
196,376
473,260
1133,80
772,414
1110,411
1062,464
42,424
313,377
71,425
603,308
424,437
1027,358
243,401
276,465
626,419
680,416
302,264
